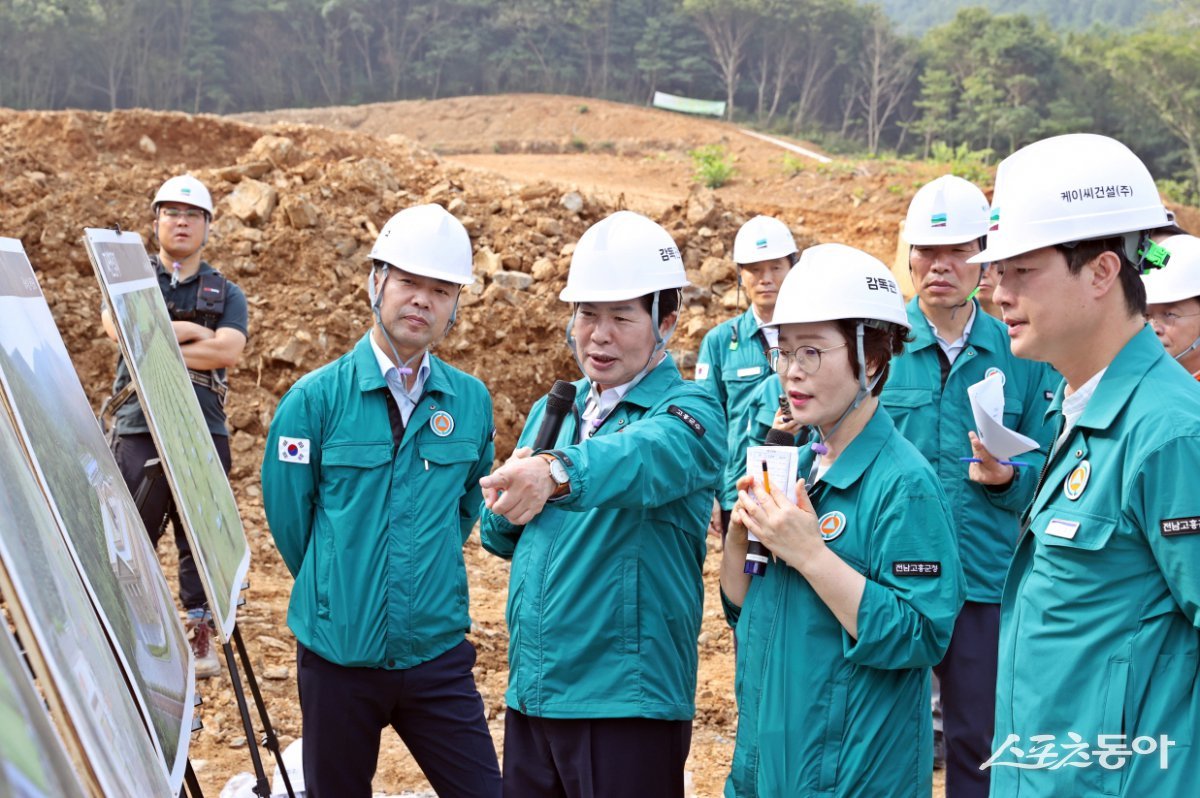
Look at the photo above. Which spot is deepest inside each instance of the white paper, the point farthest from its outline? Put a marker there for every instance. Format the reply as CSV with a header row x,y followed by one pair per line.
x,y
782,463
987,405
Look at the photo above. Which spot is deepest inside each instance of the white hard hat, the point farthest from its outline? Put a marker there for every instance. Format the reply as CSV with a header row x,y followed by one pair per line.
x,y
1069,188
1180,278
426,240
185,189
834,281
293,760
762,238
623,256
948,210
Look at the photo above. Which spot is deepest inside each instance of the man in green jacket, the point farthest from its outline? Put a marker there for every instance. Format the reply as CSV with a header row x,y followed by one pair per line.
x,y
371,487
1099,677
955,345
606,532
733,362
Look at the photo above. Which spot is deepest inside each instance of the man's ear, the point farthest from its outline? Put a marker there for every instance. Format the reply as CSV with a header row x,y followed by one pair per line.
x,y
1105,271
665,325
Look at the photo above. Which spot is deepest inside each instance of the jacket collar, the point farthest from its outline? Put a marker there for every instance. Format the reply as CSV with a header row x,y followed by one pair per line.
x,y
1138,356
160,270
746,323
646,393
862,451
986,333
366,369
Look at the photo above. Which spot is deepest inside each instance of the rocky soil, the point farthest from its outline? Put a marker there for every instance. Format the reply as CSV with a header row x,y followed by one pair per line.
x,y
298,207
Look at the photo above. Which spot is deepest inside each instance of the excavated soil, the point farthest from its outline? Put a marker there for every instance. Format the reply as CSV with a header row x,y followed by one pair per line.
x,y
312,189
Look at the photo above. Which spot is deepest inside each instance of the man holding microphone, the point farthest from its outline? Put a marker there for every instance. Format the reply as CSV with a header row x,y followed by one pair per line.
x,y
606,532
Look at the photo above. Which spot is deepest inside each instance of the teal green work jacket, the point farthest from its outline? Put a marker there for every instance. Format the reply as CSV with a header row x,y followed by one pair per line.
x,y
373,533
1100,622
823,714
732,365
936,419
605,595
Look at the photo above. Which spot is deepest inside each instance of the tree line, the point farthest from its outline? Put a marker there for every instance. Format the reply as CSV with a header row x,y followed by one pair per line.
x,y
834,71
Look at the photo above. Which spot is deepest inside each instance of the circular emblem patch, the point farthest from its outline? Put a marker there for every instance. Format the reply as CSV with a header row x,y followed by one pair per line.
x,y
831,525
1077,480
442,423
994,372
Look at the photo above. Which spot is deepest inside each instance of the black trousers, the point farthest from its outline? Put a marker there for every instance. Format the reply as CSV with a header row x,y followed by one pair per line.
x,y
594,758
434,707
968,679
132,452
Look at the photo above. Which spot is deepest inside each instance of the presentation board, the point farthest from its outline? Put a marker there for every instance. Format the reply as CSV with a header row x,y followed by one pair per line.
x,y
68,650
33,762
92,506
202,493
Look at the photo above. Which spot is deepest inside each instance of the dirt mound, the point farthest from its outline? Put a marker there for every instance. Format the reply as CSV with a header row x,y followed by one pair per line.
x,y
515,123
638,157
297,210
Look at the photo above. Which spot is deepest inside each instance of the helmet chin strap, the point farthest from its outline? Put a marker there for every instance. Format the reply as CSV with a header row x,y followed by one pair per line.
x,y
1187,351
975,292
403,367
971,296
660,341
865,386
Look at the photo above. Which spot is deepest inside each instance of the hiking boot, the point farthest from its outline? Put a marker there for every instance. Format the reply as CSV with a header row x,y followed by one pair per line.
x,y
203,647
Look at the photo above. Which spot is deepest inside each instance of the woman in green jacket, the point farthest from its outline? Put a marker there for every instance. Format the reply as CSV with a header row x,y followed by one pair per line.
x,y
836,640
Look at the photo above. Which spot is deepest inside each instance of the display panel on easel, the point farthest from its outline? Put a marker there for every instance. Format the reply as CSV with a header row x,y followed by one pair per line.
x,y
68,650
100,521
202,493
33,763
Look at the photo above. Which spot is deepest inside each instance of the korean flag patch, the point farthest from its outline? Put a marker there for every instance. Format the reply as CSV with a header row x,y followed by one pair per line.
x,y
293,450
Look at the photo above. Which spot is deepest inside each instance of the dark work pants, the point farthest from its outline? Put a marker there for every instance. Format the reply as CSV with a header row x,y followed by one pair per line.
x,y
594,758
132,452
434,707
968,678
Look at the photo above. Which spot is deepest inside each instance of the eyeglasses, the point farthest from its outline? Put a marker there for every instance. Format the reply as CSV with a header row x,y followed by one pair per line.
x,y
807,358
1168,319
191,214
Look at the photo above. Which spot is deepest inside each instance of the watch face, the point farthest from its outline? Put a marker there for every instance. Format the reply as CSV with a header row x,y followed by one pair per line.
x,y
557,472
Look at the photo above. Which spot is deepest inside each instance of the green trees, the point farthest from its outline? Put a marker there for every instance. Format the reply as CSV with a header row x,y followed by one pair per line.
x,y
1160,69
836,71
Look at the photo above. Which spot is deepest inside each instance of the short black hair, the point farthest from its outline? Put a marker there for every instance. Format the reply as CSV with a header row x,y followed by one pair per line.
x,y
668,302
1080,253
880,345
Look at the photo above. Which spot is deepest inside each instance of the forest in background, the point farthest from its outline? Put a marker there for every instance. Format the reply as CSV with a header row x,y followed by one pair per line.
x,y
837,72
916,16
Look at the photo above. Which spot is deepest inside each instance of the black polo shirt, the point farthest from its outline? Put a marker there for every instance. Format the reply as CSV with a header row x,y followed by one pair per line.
x,y
129,418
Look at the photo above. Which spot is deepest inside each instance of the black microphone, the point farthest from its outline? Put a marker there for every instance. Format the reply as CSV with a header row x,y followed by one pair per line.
x,y
558,405
756,552
777,437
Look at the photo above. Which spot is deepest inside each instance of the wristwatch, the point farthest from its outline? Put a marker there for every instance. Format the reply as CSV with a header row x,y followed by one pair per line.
x,y
558,473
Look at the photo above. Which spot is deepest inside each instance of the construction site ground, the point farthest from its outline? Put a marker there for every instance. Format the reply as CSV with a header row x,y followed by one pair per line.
x,y
300,198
